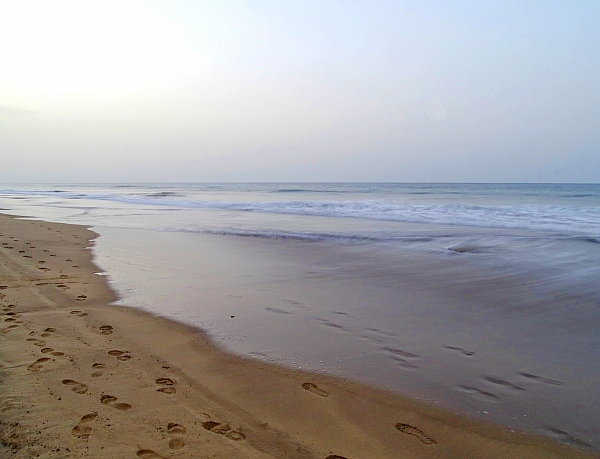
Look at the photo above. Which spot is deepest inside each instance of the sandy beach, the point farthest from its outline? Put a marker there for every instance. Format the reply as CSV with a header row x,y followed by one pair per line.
x,y
82,378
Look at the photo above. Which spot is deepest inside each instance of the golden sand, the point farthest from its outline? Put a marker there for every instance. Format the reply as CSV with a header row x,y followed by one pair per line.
x,y
81,378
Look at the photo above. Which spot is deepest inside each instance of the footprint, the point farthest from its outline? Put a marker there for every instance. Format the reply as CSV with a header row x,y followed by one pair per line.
x,y
314,389
79,313
415,432
81,430
48,332
37,365
107,399
8,329
149,454
121,406
98,367
120,355
37,342
167,390
76,387
106,329
63,276
47,350
223,429
176,443
335,456
176,429
81,298
168,386
111,400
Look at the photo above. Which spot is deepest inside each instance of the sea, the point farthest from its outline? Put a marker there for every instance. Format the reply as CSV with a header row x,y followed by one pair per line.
x,y
483,299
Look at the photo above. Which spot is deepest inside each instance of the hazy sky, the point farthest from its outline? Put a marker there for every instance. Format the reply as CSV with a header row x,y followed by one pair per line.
x,y
505,91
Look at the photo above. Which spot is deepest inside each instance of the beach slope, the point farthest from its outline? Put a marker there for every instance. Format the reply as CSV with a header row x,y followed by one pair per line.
x,y
81,378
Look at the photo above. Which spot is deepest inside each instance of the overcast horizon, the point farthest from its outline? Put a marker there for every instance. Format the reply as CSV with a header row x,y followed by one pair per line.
x,y
262,91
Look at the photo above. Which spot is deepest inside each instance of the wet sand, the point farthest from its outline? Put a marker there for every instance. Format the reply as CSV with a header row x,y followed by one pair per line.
x,y
82,378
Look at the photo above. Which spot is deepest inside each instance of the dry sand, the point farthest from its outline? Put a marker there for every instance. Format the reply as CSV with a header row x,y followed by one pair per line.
x,y
81,378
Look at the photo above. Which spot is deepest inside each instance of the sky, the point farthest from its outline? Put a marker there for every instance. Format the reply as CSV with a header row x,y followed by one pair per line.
x,y
400,91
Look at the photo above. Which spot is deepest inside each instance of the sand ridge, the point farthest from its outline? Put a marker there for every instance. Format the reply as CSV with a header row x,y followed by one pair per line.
x,y
81,378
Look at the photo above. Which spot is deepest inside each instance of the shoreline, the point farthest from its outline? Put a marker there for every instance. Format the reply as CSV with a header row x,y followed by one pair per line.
x,y
120,382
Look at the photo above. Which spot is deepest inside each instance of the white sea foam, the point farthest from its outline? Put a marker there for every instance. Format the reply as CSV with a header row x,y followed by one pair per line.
x,y
568,209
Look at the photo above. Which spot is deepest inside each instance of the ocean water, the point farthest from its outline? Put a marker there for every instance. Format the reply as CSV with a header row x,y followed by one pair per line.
x,y
482,298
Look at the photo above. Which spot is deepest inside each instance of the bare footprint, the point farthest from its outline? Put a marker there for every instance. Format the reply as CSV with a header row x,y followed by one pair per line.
x,y
121,406
8,329
175,429
415,432
98,367
106,329
81,430
79,313
223,429
37,365
149,454
107,399
167,384
37,342
81,298
124,358
48,332
314,389
335,456
112,401
115,353
167,390
47,350
176,443
76,387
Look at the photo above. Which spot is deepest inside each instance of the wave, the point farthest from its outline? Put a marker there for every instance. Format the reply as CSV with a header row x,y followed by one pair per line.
x,y
304,190
163,194
570,219
308,236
